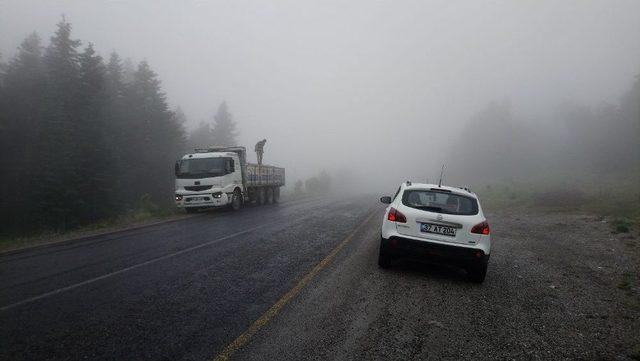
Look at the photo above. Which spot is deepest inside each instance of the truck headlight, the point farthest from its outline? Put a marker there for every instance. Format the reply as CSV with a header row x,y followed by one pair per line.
x,y
217,194
178,197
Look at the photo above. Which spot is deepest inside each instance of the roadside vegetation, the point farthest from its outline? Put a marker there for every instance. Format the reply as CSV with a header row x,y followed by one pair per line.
x,y
316,185
612,196
146,212
615,199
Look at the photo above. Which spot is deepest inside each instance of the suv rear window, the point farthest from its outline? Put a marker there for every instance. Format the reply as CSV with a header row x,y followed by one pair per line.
x,y
440,202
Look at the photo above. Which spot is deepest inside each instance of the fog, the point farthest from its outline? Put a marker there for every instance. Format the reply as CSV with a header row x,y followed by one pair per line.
x,y
381,89
356,84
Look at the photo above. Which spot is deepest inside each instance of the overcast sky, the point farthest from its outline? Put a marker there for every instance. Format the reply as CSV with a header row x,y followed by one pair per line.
x,y
341,83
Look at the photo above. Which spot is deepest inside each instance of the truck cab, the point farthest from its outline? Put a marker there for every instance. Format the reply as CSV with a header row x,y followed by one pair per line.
x,y
208,179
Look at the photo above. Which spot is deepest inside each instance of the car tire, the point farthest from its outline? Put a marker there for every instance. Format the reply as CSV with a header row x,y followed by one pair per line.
x,y
477,273
384,258
236,201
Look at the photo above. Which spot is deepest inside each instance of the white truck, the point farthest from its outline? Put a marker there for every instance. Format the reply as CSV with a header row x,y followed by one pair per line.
x,y
221,176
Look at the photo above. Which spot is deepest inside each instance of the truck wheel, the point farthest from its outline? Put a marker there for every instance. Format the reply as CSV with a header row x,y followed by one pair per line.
x,y
276,194
261,196
236,201
269,195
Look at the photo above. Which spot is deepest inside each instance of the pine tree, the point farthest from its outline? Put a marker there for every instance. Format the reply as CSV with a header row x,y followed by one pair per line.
x,y
180,119
60,202
201,136
21,112
159,138
179,116
224,128
119,138
114,76
95,166
128,71
3,72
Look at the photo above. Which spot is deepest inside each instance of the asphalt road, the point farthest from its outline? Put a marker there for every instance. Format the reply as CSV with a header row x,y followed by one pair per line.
x,y
129,296
299,280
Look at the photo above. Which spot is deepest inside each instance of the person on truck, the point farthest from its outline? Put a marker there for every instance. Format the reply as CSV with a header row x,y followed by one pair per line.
x,y
260,150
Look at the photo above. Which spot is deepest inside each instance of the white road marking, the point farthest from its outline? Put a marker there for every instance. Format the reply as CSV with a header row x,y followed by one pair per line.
x,y
123,270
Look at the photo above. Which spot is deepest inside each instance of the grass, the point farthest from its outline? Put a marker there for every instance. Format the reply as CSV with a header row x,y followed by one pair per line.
x,y
635,353
614,196
622,225
145,212
625,282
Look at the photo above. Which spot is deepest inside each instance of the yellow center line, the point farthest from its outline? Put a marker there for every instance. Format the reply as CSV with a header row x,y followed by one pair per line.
x,y
276,307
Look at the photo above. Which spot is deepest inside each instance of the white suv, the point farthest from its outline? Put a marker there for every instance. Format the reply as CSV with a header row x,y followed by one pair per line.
x,y
428,221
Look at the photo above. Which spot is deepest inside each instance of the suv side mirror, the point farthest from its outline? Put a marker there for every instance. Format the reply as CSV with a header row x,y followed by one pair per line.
x,y
385,200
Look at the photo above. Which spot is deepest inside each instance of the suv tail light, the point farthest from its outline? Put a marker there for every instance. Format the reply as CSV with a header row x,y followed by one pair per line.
x,y
481,228
396,216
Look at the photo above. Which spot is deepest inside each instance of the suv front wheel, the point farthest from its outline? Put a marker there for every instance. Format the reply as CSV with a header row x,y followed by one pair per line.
x,y
384,258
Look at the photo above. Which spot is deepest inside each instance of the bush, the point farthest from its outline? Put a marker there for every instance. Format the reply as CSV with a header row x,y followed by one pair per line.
x,y
319,184
621,225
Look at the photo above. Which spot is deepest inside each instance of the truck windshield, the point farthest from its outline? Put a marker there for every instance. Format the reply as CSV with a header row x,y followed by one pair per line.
x,y
201,168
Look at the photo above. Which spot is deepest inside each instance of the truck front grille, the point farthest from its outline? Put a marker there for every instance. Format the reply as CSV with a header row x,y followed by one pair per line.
x,y
197,188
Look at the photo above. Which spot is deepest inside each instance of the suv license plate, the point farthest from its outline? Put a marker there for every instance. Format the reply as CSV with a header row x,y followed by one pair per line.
x,y
437,229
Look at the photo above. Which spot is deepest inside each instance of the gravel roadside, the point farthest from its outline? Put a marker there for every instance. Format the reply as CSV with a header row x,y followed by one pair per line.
x,y
560,286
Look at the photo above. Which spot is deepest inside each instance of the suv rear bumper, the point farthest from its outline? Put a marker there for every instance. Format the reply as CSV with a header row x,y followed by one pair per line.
x,y
401,247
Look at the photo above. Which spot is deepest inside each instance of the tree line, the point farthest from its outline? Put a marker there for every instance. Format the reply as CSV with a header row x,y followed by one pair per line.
x,y
222,131
84,138
573,141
